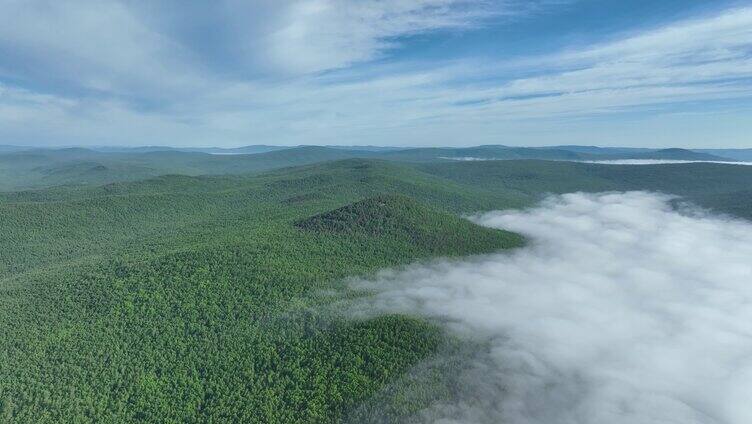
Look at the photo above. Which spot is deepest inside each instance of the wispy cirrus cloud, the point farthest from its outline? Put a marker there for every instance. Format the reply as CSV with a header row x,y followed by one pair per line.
x,y
710,51
110,44
318,35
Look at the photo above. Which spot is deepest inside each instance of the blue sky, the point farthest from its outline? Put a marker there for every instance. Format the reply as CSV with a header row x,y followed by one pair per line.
x,y
387,72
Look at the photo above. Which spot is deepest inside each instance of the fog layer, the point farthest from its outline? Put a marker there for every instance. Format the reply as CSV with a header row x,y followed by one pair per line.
x,y
661,162
620,310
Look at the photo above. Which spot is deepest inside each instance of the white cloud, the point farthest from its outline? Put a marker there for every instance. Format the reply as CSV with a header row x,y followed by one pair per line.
x,y
621,310
707,50
113,45
685,41
318,35
92,45
152,70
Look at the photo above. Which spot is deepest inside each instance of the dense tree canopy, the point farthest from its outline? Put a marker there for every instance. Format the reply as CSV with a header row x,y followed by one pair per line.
x,y
214,299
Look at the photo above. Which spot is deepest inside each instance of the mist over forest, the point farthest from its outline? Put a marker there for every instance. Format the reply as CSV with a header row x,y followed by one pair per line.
x,y
374,290
619,309
376,211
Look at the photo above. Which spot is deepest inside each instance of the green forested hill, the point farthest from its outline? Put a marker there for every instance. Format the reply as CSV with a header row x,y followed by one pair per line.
x,y
43,168
716,186
186,299
49,226
207,298
673,154
401,218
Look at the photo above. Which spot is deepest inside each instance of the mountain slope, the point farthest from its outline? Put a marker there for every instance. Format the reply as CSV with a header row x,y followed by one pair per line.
x,y
402,218
698,182
197,299
729,154
674,154
481,152
30,169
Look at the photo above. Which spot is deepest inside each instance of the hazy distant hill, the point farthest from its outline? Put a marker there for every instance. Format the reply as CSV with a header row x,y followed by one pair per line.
x,y
595,150
33,168
564,153
260,148
732,154
480,152
367,148
699,182
8,149
614,153
39,168
673,154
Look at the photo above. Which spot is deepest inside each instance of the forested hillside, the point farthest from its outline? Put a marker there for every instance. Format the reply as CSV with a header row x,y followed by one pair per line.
x,y
210,298
722,187
184,299
42,168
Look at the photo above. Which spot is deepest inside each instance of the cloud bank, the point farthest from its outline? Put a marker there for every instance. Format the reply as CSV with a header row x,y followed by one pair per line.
x,y
621,310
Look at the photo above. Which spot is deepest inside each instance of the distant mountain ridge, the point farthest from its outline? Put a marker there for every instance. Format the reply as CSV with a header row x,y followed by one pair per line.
x,y
253,149
491,152
33,168
506,151
743,155
677,154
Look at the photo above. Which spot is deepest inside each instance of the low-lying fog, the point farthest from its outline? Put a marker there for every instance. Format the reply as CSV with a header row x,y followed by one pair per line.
x,y
660,162
611,161
620,310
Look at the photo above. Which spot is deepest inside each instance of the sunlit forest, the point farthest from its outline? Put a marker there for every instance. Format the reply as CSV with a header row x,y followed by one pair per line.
x,y
223,298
